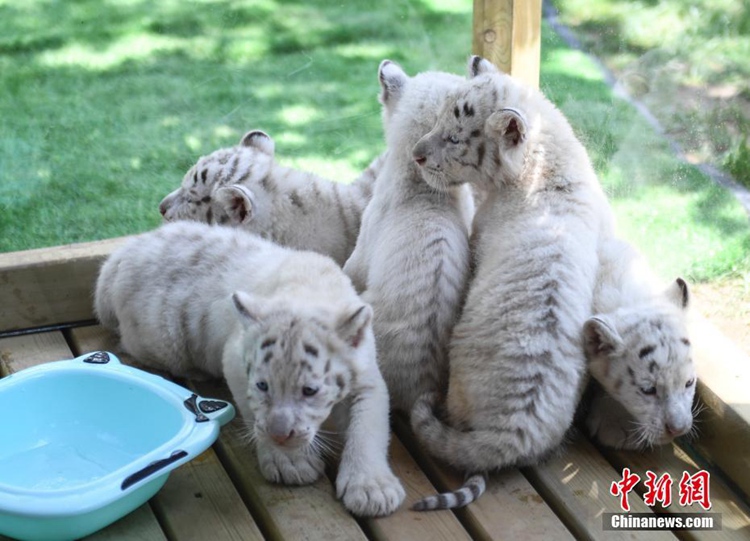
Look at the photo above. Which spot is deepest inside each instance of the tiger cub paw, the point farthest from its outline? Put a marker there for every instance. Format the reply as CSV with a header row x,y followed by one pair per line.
x,y
369,495
300,467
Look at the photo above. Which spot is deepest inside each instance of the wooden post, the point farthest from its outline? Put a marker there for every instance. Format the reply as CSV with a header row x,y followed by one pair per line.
x,y
508,33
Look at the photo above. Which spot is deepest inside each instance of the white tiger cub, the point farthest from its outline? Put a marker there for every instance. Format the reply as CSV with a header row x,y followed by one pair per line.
x,y
516,356
412,256
638,353
284,327
244,186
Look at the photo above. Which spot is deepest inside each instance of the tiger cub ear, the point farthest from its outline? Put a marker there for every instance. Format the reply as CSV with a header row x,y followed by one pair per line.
x,y
260,140
392,81
679,293
479,66
510,125
353,324
237,202
600,337
600,340
248,308
507,128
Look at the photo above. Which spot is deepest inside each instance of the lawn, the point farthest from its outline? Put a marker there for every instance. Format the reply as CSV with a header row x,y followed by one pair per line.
x,y
686,60
685,223
105,104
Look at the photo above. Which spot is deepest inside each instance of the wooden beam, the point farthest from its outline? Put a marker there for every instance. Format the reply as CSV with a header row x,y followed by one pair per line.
x,y
509,34
50,286
723,382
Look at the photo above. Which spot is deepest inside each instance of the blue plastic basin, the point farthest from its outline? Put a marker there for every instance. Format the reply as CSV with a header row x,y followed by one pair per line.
x,y
86,441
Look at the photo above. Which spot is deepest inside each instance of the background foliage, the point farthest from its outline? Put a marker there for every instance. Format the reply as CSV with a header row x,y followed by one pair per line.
x,y
104,104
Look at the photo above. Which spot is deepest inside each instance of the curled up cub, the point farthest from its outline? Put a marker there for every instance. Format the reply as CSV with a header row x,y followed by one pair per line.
x,y
638,353
412,256
517,366
284,327
244,186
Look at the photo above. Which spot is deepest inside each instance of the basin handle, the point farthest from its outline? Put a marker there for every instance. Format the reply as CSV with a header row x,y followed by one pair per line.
x,y
206,409
152,468
99,357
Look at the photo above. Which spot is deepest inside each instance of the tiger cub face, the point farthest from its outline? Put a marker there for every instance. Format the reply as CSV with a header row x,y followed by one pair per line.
x,y
482,129
642,357
295,368
410,105
217,188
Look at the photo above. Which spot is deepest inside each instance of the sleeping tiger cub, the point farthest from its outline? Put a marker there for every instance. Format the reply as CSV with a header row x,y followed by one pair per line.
x,y
244,186
285,328
516,361
638,354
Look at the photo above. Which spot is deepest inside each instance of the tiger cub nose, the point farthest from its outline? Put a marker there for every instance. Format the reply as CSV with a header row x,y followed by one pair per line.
x,y
675,430
281,439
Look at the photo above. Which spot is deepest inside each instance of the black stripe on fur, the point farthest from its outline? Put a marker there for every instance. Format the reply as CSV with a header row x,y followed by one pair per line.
x,y
473,488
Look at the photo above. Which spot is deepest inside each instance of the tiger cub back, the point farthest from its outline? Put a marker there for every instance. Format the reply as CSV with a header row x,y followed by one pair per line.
x,y
516,355
243,186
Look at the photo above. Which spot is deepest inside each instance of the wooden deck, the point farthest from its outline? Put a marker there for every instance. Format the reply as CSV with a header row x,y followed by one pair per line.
x,y
45,315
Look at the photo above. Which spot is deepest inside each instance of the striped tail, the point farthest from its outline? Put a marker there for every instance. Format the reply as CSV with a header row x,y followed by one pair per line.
x,y
473,488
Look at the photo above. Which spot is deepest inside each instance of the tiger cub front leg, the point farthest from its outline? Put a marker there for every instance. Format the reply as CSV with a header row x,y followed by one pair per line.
x,y
365,482
290,467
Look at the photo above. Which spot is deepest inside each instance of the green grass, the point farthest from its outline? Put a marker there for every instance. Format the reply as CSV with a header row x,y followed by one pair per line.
x,y
105,104
685,223
686,60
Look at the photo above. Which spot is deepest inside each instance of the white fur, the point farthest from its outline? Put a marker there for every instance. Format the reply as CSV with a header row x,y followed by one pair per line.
x,y
190,298
516,356
411,258
638,353
243,186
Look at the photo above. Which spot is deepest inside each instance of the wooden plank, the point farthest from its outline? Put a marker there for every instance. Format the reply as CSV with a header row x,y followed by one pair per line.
x,y
508,33
199,501
305,512
21,352
735,515
510,509
724,379
576,484
50,285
